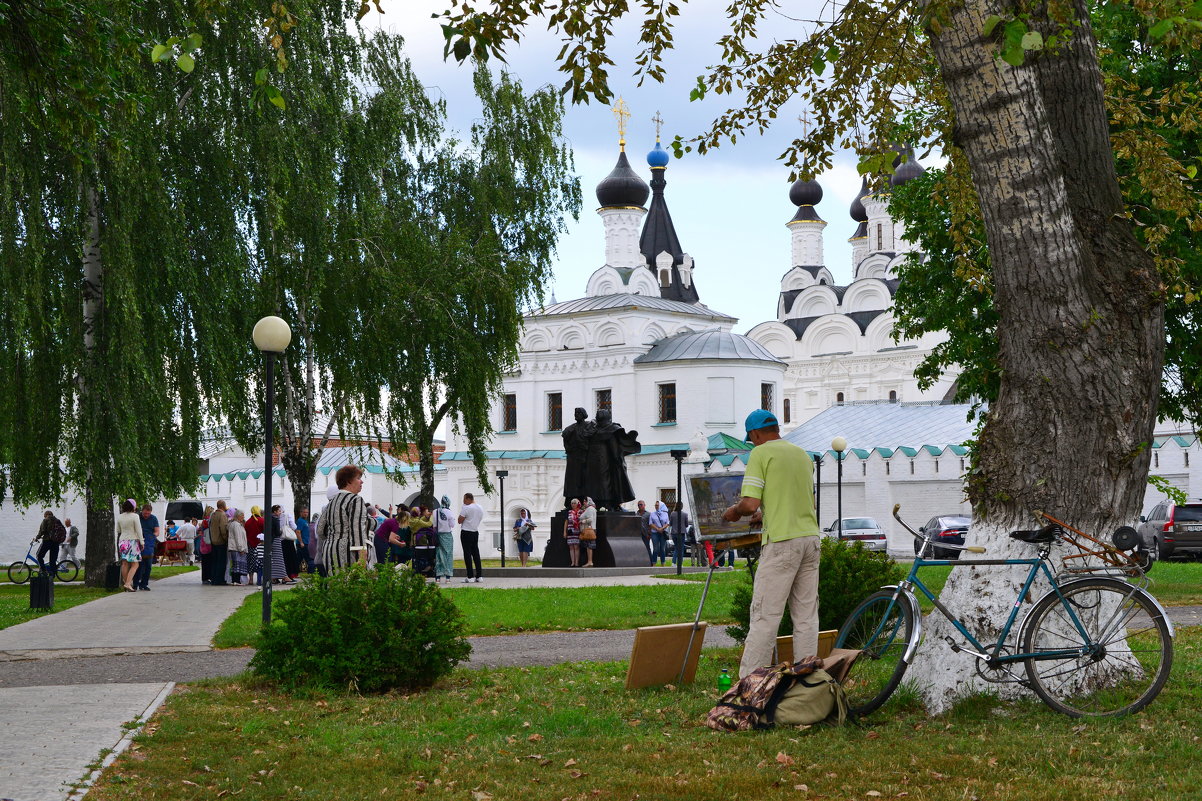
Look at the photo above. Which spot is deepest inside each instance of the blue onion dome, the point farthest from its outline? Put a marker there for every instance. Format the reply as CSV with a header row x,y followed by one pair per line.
x,y
658,157
857,210
622,187
908,170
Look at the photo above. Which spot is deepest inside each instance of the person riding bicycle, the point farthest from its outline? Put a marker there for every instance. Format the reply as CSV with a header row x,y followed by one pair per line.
x,y
51,533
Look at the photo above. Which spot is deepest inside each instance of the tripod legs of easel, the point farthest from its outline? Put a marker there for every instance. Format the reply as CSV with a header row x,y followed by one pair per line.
x,y
697,620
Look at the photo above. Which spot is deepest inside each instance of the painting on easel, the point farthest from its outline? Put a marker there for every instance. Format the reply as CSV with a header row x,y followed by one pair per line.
x,y
709,496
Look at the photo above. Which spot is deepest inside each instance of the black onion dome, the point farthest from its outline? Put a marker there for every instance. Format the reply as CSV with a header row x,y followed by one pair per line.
x,y
857,210
622,187
805,193
908,170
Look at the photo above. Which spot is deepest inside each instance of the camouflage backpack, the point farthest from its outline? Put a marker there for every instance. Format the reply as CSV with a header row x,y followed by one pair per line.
x,y
752,703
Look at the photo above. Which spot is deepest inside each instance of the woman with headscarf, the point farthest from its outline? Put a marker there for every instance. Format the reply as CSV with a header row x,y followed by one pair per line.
x,y
345,523
571,533
523,534
588,529
444,527
658,523
238,547
279,571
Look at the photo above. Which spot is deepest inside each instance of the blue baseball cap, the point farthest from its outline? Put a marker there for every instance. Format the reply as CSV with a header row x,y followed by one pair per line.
x,y
760,418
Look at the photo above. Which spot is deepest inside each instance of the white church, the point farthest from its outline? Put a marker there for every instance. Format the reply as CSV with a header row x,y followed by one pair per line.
x,y
642,343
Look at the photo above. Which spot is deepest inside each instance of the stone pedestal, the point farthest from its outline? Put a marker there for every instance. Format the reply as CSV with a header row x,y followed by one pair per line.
x,y
619,542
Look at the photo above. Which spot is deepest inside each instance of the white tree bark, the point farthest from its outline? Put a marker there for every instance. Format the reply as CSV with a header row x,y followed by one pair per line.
x,y
1081,331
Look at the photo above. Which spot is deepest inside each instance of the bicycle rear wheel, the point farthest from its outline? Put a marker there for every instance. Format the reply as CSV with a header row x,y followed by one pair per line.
x,y
1122,664
18,572
66,570
881,629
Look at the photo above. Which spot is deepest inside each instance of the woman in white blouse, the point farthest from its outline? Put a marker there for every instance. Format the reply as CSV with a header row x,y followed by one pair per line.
x,y
129,543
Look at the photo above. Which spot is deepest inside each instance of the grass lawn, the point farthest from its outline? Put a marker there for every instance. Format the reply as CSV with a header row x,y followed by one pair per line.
x,y
14,601
573,732
508,611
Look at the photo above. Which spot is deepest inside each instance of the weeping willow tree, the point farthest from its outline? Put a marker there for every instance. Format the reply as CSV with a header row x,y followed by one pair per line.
x,y
111,263
400,255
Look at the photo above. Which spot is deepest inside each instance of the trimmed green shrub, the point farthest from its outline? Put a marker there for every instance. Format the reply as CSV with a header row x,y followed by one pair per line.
x,y
847,574
365,629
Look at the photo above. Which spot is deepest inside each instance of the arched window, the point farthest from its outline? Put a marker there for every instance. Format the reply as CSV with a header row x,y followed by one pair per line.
x,y
880,237
665,277
839,398
788,414
893,396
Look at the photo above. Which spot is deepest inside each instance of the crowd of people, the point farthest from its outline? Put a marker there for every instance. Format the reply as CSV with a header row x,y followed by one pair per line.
x,y
230,543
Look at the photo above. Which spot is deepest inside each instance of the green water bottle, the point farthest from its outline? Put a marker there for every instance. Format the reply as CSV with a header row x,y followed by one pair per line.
x,y
723,681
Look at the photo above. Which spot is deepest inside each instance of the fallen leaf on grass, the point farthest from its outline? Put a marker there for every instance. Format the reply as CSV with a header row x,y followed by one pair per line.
x,y
802,787
873,794
542,763
872,735
783,758
478,795
569,763
575,774
534,738
194,784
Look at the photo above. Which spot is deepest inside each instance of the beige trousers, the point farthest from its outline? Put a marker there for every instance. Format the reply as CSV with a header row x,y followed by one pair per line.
x,y
786,572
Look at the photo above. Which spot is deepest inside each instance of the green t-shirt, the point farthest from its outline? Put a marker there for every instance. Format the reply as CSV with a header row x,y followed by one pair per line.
x,y
781,475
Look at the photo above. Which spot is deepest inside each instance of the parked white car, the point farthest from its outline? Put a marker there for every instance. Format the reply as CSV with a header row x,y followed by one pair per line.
x,y
860,529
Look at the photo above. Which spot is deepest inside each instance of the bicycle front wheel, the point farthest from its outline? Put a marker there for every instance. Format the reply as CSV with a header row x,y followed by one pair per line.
x,y
1117,668
66,570
880,628
18,572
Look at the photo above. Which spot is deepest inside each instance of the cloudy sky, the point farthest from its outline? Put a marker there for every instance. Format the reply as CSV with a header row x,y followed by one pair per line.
x,y
730,206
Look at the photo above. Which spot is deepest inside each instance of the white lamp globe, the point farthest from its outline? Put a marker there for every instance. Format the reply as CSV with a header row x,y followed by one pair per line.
x,y
272,335
839,444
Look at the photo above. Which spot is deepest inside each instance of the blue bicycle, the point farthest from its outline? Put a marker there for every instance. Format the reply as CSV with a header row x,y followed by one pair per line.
x,y
19,572
1093,645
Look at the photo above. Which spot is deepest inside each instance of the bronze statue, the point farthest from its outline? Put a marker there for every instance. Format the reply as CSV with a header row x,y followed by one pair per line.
x,y
605,478
575,446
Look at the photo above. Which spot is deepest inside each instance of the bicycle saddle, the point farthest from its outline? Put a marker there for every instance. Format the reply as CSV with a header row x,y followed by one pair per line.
x,y
1038,536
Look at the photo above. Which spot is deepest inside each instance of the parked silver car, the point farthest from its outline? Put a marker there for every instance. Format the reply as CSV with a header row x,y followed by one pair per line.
x,y
1172,529
860,529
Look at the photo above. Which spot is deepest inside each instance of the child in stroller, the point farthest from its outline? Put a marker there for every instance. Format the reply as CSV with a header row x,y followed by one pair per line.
x,y
425,543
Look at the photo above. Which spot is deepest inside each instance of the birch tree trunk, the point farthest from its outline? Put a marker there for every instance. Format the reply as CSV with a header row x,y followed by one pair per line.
x,y
1081,331
101,547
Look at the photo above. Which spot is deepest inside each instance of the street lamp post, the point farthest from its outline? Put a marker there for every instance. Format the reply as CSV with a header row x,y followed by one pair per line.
x,y
271,336
501,475
839,444
677,533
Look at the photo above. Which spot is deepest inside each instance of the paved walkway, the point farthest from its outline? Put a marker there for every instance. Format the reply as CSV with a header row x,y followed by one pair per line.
x,y
99,656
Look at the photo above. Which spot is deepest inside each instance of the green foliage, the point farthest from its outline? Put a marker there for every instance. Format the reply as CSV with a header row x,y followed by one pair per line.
x,y
1154,110
847,574
367,629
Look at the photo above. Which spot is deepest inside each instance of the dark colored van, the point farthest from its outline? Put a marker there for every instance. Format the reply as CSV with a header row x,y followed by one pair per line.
x,y
184,510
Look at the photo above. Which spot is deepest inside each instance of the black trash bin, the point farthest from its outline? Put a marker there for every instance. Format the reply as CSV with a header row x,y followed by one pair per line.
x,y
112,576
41,591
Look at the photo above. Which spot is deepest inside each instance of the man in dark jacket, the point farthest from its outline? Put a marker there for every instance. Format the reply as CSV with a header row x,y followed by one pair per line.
x,y
219,543
150,538
51,534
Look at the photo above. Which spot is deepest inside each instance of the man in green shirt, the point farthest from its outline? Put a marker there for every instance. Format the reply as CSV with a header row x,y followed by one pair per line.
x,y
778,487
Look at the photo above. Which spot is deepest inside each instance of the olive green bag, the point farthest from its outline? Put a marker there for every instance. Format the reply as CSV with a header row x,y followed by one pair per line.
x,y
813,698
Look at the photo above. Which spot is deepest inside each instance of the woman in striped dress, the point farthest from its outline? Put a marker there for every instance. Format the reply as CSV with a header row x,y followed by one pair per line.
x,y
345,523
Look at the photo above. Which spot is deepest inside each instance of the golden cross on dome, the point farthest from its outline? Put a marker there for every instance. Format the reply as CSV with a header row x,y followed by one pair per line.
x,y
659,124
622,113
804,119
